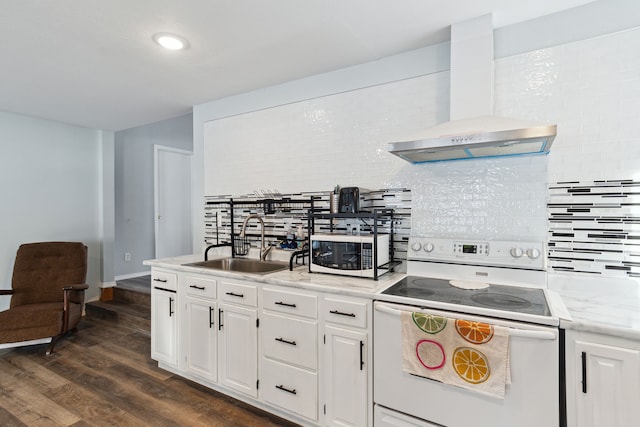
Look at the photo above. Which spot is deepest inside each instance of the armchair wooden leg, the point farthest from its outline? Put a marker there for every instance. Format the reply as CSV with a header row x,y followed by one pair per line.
x,y
54,340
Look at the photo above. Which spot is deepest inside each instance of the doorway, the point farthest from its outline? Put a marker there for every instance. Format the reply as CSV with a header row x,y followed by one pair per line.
x,y
172,201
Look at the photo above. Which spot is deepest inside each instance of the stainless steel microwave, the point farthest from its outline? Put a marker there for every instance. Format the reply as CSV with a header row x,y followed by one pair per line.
x,y
348,255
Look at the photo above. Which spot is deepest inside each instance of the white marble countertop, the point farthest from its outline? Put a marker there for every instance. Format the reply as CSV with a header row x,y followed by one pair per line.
x,y
299,277
609,306
603,305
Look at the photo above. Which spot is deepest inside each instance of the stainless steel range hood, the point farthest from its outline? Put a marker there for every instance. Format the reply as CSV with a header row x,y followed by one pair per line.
x,y
473,131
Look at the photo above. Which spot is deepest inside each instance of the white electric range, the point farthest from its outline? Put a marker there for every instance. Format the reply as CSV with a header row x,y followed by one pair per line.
x,y
496,282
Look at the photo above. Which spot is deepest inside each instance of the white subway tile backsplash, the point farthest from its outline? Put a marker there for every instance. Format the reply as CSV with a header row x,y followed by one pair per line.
x,y
590,88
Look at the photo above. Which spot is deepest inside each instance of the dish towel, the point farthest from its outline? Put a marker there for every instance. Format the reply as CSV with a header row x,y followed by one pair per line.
x,y
459,352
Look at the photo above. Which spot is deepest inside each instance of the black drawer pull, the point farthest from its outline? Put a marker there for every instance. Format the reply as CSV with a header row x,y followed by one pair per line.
x,y
285,304
170,306
342,314
210,317
219,319
235,295
282,340
283,388
361,355
201,288
160,280
584,372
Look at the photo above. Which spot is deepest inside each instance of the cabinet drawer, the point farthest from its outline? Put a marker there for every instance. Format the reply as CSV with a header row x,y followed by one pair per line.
x,y
345,312
295,303
290,388
289,340
238,293
164,280
199,286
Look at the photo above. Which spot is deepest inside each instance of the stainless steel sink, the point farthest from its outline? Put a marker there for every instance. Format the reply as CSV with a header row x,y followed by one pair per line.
x,y
241,265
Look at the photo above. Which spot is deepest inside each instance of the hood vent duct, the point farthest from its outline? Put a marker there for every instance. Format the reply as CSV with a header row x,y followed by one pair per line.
x,y
473,131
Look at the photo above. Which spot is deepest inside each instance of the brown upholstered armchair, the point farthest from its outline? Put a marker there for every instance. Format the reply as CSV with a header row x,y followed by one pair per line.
x,y
47,295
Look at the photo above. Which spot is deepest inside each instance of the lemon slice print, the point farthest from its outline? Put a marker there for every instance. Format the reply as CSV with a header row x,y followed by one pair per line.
x,y
429,323
474,332
470,365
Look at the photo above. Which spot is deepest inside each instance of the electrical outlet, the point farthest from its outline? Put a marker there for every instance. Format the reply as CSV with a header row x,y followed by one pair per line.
x,y
127,256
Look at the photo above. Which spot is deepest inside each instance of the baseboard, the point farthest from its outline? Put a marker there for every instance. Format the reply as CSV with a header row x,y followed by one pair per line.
x,y
132,275
108,284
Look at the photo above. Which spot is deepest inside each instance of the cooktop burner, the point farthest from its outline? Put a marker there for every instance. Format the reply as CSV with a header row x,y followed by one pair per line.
x,y
506,298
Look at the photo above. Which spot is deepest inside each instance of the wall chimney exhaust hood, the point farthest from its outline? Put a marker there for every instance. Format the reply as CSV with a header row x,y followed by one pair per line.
x,y
473,132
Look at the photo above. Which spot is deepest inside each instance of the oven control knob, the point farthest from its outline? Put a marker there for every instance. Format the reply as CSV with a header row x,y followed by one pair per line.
x,y
416,246
533,253
428,247
516,252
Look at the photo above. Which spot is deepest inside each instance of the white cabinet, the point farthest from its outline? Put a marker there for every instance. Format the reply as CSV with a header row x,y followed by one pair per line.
x,y
603,381
346,371
289,350
238,337
163,317
200,333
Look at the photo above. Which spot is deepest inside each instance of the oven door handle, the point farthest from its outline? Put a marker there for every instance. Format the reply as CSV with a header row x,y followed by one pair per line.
x,y
520,333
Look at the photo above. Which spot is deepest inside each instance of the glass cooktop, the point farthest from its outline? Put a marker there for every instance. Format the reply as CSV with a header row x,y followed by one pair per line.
x,y
497,297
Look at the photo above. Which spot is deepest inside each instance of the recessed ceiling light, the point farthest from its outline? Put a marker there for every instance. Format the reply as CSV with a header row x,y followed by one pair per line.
x,y
171,41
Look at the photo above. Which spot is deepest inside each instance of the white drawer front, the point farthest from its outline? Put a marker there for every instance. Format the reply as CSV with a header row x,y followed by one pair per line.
x,y
289,340
161,279
295,303
345,312
238,293
199,286
290,388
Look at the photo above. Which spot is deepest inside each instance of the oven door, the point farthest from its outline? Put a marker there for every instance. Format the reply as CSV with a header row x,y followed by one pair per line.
x,y
532,398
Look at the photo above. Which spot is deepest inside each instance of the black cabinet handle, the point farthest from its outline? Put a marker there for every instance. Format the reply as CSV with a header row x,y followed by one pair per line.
x,y
219,319
285,304
342,314
160,280
584,372
288,390
201,288
170,306
361,355
210,317
235,295
282,340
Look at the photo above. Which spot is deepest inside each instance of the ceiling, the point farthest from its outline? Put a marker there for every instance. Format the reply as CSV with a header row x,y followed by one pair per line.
x,y
93,63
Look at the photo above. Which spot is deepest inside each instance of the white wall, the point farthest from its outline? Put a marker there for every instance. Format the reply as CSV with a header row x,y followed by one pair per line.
x,y
50,180
490,198
134,223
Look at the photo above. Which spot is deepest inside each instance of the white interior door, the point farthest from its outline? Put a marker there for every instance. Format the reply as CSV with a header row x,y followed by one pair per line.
x,y
172,195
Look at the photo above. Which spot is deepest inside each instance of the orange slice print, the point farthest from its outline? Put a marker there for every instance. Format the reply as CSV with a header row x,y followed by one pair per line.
x,y
474,332
470,365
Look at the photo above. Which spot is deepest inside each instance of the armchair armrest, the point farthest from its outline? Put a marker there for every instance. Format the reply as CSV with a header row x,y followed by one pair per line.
x,y
75,287
6,291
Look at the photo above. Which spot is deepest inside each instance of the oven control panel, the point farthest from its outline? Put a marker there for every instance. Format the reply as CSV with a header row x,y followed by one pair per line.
x,y
529,255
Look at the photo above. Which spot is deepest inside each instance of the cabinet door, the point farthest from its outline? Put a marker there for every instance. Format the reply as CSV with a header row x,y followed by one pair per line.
x,y
345,376
238,341
612,391
201,338
163,326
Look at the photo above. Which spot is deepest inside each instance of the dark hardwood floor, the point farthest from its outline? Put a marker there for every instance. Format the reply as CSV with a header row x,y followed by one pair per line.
x,y
104,376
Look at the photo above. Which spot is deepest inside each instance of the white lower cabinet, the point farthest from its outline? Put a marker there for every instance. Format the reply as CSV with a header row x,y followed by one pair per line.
x,y
163,317
346,392
199,336
603,381
239,348
301,354
291,388
289,351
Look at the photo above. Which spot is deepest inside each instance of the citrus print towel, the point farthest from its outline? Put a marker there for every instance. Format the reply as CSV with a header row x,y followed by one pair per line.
x,y
466,354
